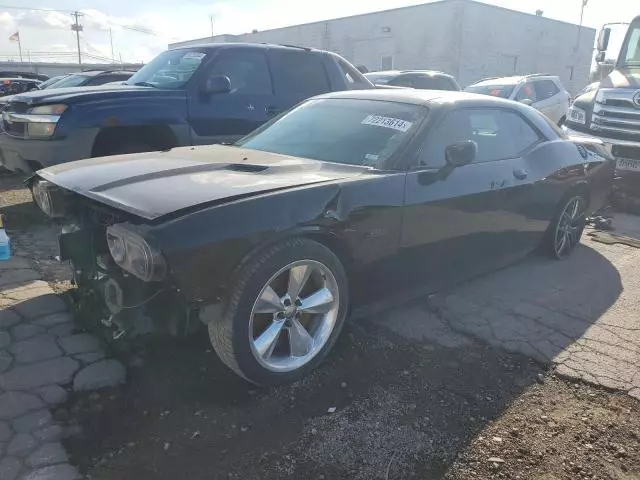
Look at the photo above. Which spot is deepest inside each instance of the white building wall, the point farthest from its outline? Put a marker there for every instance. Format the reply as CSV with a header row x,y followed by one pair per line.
x,y
467,39
496,41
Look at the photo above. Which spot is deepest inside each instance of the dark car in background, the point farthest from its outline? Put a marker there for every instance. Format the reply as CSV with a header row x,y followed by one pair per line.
x,y
93,78
195,95
348,198
17,74
12,86
420,79
51,81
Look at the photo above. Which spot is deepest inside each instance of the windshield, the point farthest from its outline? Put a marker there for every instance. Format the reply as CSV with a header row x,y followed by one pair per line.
x,y
71,81
630,53
347,131
171,69
502,91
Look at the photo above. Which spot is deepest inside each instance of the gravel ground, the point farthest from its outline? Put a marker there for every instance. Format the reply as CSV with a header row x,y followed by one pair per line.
x,y
403,409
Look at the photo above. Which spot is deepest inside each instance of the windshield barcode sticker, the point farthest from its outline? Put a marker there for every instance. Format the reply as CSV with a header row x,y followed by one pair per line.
x,y
388,122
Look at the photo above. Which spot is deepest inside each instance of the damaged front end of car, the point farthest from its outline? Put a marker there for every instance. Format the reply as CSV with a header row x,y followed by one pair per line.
x,y
121,277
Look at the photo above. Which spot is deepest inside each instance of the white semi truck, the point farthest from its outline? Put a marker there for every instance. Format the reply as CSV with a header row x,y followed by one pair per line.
x,y
611,112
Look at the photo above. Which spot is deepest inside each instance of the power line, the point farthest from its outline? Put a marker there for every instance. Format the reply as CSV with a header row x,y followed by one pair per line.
x,y
145,31
35,9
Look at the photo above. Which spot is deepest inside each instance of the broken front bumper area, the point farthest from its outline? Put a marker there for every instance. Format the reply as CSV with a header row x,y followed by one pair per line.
x,y
111,300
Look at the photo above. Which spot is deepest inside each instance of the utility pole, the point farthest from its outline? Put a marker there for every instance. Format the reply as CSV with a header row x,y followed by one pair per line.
x,y
76,27
113,58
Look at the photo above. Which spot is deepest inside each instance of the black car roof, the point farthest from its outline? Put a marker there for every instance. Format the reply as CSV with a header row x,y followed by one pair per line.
x,y
424,97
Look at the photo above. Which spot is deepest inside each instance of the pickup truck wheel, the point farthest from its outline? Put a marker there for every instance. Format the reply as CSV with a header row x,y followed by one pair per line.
x,y
565,230
284,313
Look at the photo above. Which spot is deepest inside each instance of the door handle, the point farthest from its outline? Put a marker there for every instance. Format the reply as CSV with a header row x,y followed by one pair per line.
x,y
520,173
271,110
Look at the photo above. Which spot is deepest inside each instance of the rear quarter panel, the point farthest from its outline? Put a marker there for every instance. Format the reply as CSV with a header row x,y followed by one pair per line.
x,y
562,167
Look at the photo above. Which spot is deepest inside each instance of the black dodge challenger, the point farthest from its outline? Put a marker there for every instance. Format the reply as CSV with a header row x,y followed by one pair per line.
x,y
346,200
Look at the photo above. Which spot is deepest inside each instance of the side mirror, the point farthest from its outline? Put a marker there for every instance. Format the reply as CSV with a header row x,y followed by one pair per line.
x,y
601,56
460,154
217,84
526,101
603,39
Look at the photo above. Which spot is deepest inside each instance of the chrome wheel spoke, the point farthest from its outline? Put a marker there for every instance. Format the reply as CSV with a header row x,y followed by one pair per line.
x,y
308,322
299,339
268,339
269,302
318,302
298,277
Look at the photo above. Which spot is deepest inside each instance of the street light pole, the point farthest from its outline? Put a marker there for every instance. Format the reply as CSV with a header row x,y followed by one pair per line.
x,y
584,4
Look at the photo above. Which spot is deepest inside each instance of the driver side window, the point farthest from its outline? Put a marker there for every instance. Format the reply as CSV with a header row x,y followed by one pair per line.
x,y
247,70
499,134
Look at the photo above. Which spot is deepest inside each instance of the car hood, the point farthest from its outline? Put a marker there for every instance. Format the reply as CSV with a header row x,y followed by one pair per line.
x,y
622,78
151,185
75,94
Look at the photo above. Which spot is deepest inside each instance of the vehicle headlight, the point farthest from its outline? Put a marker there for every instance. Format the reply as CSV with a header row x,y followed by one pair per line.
x,y
41,121
41,130
134,254
50,198
577,115
48,110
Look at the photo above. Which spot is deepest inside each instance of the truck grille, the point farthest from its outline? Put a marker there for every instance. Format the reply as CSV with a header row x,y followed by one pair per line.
x,y
617,115
16,129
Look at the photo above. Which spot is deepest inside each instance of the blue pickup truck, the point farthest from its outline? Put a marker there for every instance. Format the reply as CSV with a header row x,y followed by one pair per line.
x,y
195,95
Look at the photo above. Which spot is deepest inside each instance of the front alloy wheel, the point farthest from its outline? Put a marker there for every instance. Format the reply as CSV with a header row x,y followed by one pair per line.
x,y
294,315
284,312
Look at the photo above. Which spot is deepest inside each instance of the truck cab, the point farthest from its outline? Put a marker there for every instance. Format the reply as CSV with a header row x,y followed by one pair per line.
x,y
611,112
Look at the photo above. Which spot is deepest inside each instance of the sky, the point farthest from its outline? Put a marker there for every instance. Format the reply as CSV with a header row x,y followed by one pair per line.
x,y
140,29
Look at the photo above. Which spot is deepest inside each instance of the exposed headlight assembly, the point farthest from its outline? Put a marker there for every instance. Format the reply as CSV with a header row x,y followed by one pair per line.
x,y
134,254
50,198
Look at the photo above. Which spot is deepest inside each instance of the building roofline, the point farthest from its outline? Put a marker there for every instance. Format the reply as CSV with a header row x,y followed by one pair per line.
x,y
407,7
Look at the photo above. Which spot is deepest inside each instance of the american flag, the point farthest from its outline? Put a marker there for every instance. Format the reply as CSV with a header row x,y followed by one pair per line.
x,y
15,37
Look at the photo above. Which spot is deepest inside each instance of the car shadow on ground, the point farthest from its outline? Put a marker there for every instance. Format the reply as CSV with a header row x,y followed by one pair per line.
x,y
406,401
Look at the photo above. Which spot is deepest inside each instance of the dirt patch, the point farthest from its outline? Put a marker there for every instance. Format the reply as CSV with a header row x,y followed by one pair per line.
x,y
558,431
402,410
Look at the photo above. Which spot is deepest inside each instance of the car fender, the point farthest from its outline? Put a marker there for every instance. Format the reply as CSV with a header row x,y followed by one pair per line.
x,y
205,247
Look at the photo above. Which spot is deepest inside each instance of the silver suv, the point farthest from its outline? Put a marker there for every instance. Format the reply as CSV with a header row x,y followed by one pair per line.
x,y
543,92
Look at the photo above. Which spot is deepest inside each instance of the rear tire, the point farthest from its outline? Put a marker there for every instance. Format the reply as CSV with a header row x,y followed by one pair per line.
x,y
565,230
272,332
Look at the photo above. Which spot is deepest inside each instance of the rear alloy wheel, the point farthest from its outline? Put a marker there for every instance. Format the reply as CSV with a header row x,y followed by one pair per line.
x,y
567,228
285,313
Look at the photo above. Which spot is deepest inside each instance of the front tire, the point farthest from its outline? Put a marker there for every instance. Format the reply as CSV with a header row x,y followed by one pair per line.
x,y
284,312
566,229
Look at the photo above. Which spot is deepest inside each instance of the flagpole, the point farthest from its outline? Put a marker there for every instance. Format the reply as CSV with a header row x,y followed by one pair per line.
x,y
20,48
